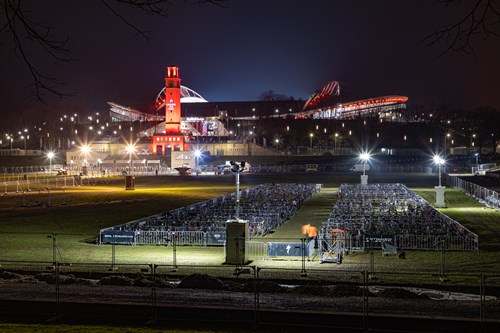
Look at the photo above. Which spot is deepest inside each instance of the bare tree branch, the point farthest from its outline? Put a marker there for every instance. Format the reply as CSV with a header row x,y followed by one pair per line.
x,y
22,28
482,19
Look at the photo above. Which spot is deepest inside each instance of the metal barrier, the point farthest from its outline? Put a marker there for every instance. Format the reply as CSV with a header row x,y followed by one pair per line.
x,y
355,300
486,196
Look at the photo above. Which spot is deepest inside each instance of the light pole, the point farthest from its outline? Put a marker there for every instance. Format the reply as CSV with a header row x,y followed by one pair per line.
x,y
197,154
440,202
237,168
85,149
311,140
447,136
130,149
50,156
364,177
477,162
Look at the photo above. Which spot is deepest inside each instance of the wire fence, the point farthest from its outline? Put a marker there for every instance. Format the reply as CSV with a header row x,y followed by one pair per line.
x,y
328,297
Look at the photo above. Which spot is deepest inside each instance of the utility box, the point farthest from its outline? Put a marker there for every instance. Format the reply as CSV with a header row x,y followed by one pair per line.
x,y
236,239
129,182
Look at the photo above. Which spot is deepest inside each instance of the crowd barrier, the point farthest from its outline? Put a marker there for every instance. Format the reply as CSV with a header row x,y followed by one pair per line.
x,y
486,196
263,207
390,213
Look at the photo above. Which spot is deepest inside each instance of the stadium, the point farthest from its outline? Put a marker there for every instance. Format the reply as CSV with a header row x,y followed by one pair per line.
x,y
207,118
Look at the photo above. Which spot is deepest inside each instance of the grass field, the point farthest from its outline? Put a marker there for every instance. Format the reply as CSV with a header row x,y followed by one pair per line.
x,y
78,213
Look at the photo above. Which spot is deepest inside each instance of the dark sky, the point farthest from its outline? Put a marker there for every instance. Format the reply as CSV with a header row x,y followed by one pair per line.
x,y
234,54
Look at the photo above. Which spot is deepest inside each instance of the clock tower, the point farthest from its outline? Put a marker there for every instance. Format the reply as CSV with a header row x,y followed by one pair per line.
x,y
173,139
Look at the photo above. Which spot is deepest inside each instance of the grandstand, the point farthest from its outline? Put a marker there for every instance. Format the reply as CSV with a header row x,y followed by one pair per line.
x,y
325,104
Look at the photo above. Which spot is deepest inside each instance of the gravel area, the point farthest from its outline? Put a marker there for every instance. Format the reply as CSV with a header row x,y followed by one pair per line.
x,y
202,290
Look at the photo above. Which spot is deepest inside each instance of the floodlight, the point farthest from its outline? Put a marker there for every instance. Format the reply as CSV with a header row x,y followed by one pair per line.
x,y
364,156
85,149
130,148
438,160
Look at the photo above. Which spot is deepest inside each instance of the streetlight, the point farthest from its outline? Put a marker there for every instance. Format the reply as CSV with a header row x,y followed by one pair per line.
x,y
365,157
477,162
439,189
130,149
311,140
197,154
237,168
277,142
445,139
50,156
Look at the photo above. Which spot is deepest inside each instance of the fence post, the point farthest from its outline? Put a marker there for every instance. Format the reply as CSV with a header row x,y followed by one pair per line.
x,y
442,264
372,264
482,303
365,301
58,291
113,254
174,252
303,272
256,296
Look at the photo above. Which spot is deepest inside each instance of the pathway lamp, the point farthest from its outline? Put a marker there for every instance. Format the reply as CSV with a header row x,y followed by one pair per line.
x,y
439,161
364,157
50,156
197,155
477,162
130,149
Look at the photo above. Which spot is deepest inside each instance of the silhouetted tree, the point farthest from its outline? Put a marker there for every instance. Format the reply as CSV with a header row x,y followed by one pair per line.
x,y
25,29
480,19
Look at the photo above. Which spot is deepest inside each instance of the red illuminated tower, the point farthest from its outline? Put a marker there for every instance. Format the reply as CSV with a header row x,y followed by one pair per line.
x,y
172,101
173,139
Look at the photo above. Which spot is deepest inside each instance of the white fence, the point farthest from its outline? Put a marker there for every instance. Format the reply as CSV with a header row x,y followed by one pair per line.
x,y
486,196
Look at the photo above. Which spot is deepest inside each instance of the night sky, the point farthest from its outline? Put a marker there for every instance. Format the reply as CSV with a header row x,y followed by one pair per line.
x,y
234,54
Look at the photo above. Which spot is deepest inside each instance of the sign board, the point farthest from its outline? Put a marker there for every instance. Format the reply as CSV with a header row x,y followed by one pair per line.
x,y
283,249
117,237
377,241
215,238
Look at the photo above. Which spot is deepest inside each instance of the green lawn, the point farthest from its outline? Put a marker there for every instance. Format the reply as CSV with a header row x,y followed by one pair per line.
x,y
78,213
